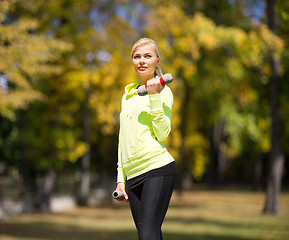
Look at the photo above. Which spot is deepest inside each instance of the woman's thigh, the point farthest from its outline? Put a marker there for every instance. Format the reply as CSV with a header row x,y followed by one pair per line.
x,y
149,203
156,195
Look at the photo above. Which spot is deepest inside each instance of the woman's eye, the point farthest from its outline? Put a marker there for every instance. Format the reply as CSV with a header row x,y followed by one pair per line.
x,y
148,56
136,57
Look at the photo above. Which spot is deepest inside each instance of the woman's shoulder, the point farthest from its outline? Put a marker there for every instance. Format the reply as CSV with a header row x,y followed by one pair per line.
x,y
167,91
167,95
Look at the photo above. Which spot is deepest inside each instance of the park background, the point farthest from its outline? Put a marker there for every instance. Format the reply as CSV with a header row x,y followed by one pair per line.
x,y
63,68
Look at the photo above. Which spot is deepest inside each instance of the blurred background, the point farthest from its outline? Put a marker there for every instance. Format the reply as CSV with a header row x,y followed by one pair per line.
x,y
63,68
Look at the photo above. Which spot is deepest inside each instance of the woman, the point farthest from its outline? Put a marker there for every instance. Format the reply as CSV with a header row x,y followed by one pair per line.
x,y
145,121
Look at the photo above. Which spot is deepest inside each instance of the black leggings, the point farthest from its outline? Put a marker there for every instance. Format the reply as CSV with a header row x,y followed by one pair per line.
x,y
149,202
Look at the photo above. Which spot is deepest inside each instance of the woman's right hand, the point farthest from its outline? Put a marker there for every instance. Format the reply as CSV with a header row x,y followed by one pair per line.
x,y
154,85
121,187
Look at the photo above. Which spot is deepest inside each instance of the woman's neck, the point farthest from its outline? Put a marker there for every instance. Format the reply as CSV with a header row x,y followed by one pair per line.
x,y
145,78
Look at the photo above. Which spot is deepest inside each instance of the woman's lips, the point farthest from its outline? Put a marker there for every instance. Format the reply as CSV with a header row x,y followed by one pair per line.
x,y
142,68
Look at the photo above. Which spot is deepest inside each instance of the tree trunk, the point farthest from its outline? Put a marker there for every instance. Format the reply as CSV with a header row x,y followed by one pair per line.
x,y
257,174
182,166
217,164
84,190
276,160
46,189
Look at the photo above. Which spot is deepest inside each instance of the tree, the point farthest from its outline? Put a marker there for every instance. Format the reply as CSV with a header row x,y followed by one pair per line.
x,y
276,160
221,73
29,67
77,121
24,61
219,59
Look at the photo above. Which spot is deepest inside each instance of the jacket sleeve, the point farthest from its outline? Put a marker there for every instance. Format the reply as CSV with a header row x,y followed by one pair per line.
x,y
161,105
120,171
121,175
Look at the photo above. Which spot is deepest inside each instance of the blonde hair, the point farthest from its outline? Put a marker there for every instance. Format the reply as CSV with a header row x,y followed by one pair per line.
x,y
146,41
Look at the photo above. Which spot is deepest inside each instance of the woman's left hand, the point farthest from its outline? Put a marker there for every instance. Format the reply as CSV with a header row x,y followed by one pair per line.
x,y
154,86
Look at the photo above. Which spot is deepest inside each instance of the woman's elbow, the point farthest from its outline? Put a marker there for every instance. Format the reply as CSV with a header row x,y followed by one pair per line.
x,y
164,135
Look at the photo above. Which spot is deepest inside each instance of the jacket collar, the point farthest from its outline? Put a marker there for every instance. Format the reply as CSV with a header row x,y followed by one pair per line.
x,y
131,89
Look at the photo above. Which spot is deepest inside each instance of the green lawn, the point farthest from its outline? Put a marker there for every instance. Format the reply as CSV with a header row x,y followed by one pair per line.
x,y
196,215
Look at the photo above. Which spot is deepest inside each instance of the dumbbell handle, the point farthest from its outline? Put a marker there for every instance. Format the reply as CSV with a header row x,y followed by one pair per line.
x,y
165,79
117,195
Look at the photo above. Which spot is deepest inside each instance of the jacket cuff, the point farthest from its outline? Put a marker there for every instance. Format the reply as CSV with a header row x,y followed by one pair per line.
x,y
156,101
120,176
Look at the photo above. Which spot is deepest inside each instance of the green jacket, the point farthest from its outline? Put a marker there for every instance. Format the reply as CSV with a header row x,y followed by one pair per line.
x,y
145,121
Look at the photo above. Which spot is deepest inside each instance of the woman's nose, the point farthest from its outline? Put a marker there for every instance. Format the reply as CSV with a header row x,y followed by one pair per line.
x,y
142,60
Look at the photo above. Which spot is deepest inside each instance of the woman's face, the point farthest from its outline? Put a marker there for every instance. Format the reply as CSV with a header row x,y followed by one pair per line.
x,y
145,60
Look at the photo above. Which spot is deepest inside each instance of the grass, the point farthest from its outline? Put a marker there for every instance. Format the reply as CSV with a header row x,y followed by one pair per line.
x,y
196,215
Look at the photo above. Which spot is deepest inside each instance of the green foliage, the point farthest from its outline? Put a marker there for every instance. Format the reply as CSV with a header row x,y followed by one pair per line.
x,y
282,8
222,67
27,60
74,56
